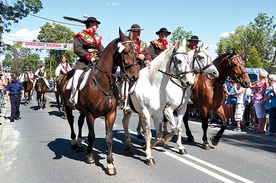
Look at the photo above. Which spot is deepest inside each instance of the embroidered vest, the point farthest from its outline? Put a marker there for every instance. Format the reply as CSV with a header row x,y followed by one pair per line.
x,y
161,44
140,46
89,37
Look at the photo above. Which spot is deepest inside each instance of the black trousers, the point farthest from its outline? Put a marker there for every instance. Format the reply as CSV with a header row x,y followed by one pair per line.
x,y
15,105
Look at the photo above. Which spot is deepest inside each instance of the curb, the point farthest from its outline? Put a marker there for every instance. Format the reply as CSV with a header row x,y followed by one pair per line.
x,y
2,121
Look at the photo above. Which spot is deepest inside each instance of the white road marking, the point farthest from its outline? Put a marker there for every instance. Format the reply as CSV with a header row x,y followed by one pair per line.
x,y
198,167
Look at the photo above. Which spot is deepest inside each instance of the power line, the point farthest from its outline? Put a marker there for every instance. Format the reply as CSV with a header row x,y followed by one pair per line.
x,y
55,20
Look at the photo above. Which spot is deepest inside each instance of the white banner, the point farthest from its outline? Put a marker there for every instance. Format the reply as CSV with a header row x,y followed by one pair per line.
x,y
47,46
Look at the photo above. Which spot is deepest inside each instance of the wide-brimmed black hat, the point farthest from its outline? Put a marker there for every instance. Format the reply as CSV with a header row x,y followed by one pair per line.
x,y
163,30
135,28
92,19
194,38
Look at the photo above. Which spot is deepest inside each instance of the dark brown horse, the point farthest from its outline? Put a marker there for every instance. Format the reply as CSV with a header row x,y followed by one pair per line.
x,y
99,97
41,92
207,94
59,100
28,88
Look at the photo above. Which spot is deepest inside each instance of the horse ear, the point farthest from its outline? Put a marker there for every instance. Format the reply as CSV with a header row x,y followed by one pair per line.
x,y
241,53
183,43
177,45
122,35
206,48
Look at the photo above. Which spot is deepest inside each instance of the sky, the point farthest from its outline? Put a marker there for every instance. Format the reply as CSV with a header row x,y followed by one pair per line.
x,y
208,19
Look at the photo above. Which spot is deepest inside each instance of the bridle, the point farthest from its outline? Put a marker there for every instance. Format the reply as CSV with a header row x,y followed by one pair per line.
x,y
179,74
238,57
124,68
196,58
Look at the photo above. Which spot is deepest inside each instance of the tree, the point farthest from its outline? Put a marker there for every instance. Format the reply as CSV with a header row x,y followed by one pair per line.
x,y
17,59
13,13
254,60
179,33
259,34
56,33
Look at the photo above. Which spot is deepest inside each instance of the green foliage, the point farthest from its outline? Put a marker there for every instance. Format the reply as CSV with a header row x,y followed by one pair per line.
x,y
17,59
254,60
259,35
56,33
179,34
13,13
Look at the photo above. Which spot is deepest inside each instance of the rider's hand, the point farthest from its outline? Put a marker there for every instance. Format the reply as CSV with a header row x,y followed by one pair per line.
x,y
141,57
92,59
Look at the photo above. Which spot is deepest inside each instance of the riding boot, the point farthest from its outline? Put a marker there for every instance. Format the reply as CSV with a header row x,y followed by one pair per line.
x,y
71,102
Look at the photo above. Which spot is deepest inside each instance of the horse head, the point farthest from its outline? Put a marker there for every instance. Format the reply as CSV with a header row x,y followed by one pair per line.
x,y
128,65
202,62
182,67
238,71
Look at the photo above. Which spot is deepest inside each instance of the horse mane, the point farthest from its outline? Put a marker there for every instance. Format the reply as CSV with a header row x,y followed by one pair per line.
x,y
218,59
157,63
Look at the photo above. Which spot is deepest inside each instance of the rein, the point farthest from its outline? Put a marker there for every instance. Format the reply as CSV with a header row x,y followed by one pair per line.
x,y
114,76
173,59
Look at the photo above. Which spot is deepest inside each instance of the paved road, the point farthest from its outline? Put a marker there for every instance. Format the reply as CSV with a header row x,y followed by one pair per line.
x,y
35,149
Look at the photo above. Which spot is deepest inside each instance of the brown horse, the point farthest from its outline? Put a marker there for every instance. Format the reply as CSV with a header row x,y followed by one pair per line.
x,y
207,94
41,91
99,97
28,88
59,100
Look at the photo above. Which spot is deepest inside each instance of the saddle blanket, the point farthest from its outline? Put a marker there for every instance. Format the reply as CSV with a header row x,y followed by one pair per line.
x,y
69,85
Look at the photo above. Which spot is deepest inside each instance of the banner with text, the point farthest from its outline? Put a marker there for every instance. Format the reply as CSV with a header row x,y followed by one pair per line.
x,y
47,46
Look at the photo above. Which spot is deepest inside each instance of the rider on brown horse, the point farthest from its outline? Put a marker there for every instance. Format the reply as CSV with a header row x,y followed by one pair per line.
x,y
61,70
88,46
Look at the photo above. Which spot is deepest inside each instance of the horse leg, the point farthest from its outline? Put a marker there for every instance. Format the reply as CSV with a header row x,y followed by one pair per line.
x,y
138,129
145,118
215,139
168,115
125,122
176,128
109,122
25,98
158,121
44,100
70,119
204,119
190,137
89,159
80,125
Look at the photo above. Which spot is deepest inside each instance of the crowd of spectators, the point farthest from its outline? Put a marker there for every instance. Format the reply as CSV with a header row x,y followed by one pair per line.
x,y
255,105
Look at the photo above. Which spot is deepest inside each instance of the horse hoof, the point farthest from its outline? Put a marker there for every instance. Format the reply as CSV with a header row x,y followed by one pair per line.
x,y
73,147
139,136
89,159
190,139
79,149
182,151
128,149
206,146
214,141
111,171
150,162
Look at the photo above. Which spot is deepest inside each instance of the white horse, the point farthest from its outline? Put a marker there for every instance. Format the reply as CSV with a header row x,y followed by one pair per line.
x,y
148,95
178,97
